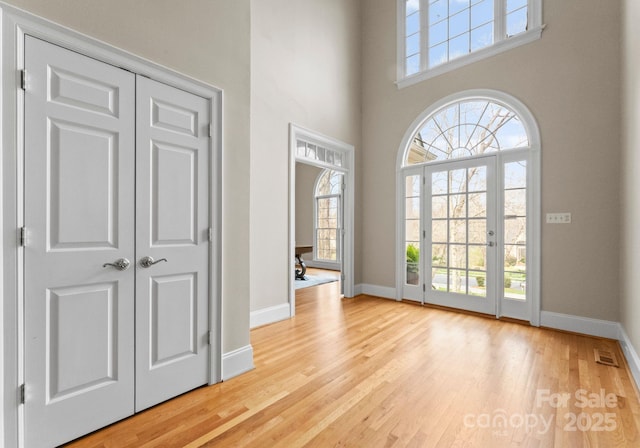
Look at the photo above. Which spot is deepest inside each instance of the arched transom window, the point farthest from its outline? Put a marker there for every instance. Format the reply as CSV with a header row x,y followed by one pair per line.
x,y
468,206
464,129
328,213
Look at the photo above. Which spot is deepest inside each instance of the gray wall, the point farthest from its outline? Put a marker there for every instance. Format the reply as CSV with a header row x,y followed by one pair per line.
x,y
305,69
569,79
208,40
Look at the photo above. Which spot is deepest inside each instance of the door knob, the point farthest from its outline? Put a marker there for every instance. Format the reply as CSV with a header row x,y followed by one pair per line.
x,y
121,264
147,262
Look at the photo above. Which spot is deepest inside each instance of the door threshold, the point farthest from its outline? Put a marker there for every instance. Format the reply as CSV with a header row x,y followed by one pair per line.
x,y
470,313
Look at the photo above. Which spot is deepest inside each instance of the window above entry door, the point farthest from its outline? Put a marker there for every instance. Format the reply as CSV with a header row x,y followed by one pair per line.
x,y
437,36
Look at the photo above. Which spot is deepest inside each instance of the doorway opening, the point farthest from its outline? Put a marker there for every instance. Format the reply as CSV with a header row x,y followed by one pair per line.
x,y
469,206
319,223
320,211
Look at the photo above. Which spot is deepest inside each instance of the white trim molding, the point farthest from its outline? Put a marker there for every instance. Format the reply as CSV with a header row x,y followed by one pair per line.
x,y
347,167
384,292
237,362
269,315
330,265
582,325
631,355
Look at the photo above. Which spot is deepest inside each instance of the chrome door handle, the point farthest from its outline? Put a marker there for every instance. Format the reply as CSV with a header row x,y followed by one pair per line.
x,y
147,262
121,264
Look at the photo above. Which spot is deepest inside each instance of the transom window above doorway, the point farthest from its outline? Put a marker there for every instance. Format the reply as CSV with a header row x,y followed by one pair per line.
x,y
464,129
435,36
318,153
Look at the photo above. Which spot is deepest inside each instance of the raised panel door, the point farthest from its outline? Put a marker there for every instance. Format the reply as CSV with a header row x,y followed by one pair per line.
x,y
79,212
172,233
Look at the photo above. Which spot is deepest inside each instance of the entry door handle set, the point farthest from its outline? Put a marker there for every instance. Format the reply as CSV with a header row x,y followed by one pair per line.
x,y
122,264
147,262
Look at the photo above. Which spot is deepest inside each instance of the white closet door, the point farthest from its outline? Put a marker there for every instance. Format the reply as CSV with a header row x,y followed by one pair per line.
x,y
172,219
79,213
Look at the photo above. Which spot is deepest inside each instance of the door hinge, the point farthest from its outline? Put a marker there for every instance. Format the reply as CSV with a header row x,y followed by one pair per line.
x,y
210,129
209,337
23,79
21,394
424,234
424,287
22,236
211,234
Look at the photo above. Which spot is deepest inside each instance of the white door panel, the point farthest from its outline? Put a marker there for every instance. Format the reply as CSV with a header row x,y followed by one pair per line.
x,y
172,225
450,236
79,212
89,195
174,189
460,224
108,179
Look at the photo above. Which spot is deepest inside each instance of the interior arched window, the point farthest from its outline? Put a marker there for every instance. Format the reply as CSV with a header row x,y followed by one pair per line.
x,y
468,211
328,216
465,129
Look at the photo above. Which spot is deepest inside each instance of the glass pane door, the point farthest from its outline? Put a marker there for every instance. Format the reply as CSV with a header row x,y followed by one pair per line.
x,y
413,266
516,223
460,216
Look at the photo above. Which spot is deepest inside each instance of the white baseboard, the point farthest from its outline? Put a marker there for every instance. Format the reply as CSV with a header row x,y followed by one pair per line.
x,y
323,265
269,315
237,362
631,355
582,325
375,290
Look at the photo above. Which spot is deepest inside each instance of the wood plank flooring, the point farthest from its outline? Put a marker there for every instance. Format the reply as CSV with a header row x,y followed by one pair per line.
x,y
369,372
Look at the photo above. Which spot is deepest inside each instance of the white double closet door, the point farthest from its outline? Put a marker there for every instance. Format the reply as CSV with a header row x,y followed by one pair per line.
x,y
116,171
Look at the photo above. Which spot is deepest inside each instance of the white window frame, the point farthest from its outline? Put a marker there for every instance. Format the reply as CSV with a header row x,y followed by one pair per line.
x,y
501,43
317,262
533,155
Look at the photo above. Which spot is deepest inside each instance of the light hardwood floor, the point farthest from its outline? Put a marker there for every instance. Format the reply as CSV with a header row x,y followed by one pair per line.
x,y
369,372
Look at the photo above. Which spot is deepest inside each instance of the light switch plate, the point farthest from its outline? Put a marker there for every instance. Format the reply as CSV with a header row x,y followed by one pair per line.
x,y
558,218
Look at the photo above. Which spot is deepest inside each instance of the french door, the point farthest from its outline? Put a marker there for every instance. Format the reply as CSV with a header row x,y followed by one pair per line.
x,y
116,260
465,235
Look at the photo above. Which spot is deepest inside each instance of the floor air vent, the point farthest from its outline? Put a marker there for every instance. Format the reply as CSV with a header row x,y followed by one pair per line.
x,y
605,357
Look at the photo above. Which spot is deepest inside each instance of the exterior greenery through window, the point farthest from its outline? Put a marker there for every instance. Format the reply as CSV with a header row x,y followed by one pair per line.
x,y
328,207
457,204
436,32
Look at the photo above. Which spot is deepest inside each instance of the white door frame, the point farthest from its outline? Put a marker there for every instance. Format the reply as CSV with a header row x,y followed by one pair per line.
x,y
462,301
14,25
348,169
534,188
